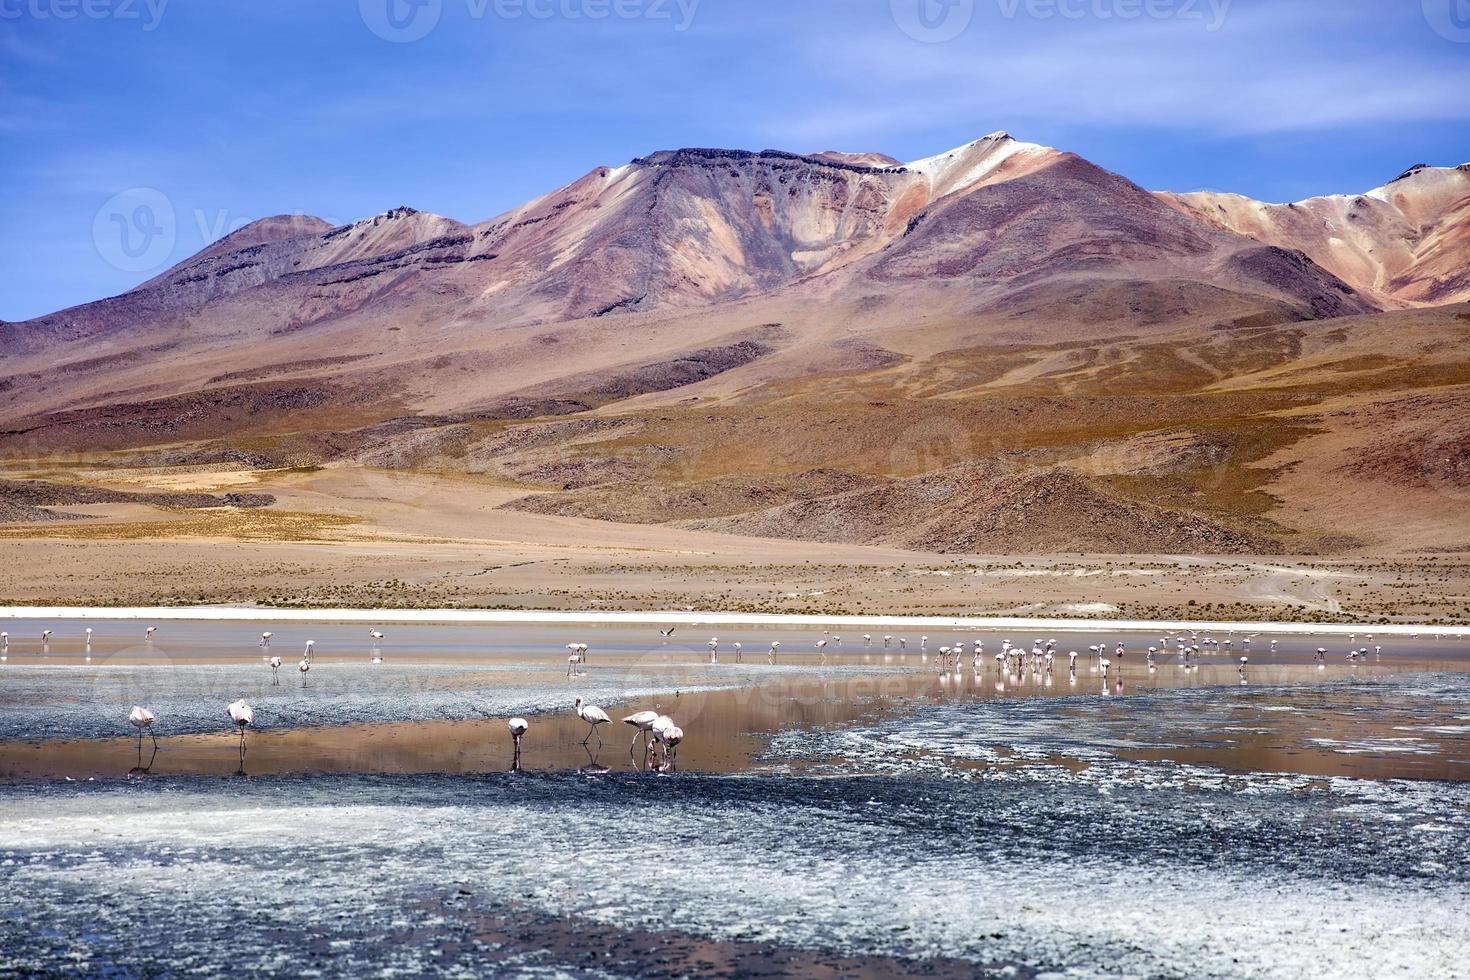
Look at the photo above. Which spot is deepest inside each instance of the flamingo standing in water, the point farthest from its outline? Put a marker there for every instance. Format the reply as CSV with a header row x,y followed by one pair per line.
x,y
148,633
88,637
45,638
738,648
1243,662
887,640
275,666
593,716
376,634
310,649
141,718
775,647
671,739
243,716
265,640
643,722
304,666
668,735
518,727
714,649
4,647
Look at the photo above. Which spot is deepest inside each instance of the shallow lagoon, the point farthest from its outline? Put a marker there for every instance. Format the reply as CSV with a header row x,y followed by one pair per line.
x,y
866,814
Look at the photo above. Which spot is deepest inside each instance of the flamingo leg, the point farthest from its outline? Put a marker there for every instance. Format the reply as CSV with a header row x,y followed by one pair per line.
x,y
641,734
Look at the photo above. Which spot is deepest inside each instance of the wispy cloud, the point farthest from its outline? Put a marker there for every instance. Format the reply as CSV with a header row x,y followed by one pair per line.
x,y
1252,76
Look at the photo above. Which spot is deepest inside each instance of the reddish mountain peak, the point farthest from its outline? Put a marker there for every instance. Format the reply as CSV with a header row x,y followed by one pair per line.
x,y
880,160
1402,244
265,231
714,157
273,229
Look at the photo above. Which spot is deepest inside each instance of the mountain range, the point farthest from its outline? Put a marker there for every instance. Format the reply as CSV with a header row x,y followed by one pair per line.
x,y
999,347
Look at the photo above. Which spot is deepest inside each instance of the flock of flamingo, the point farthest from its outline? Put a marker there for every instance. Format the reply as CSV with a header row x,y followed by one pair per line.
x,y
660,735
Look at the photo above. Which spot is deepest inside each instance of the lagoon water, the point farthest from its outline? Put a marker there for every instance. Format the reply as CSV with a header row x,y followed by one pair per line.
x,y
858,813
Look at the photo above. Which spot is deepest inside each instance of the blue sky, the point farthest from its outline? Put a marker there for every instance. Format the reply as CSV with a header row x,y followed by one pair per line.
x,y
230,111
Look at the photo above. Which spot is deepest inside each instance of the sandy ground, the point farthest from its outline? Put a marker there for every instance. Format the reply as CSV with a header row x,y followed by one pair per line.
x,y
352,537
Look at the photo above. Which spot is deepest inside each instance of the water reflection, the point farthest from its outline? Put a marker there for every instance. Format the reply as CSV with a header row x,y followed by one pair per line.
x,y
728,729
139,770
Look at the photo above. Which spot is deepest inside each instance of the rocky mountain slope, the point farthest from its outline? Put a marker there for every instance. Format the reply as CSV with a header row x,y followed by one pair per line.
x,y
804,345
1404,244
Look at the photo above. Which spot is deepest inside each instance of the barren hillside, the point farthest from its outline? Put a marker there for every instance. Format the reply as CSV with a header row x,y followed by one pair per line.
x,y
998,348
